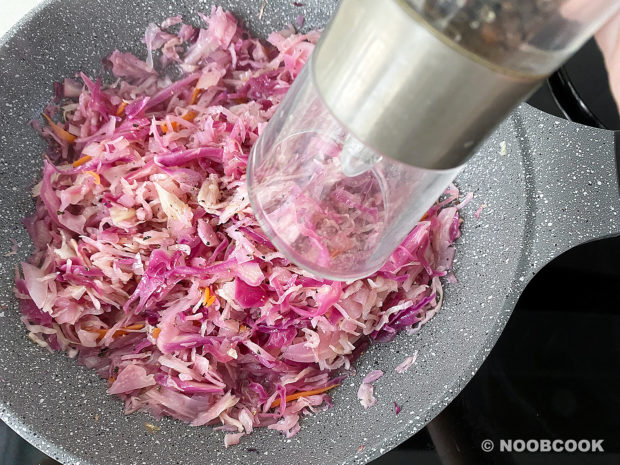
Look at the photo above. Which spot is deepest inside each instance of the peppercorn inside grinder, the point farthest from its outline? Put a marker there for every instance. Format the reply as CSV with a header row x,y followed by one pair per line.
x,y
395,98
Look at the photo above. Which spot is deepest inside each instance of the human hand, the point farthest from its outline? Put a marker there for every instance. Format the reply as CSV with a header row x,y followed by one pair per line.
x,y
608,40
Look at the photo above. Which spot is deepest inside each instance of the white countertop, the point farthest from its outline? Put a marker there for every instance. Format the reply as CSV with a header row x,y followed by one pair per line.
x,y
12,11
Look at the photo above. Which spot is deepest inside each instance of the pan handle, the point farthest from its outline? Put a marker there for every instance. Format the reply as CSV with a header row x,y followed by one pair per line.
x,y
573,187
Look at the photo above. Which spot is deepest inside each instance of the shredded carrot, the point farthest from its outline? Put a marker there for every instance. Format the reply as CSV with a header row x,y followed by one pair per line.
x,y
189,116
81,161
208,299
195,94
121,108
134,326
95,176
156,332
334,253
60,132
297,395
119,332
111,379
424,217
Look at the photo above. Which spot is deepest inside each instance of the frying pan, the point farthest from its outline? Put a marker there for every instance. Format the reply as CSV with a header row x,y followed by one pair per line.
x,y
549,186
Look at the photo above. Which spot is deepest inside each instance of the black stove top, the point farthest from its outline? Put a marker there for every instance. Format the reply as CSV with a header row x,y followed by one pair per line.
x,y
554,374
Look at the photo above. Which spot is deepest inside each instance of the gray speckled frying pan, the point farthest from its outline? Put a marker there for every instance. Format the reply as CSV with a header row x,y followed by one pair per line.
x,y
554,186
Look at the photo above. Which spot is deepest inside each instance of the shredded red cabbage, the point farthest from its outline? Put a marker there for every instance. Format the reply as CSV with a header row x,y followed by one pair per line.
x,y
407,363
365,393
150,267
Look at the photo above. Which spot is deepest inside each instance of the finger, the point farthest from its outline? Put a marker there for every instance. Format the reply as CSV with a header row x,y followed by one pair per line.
x,y
608,40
